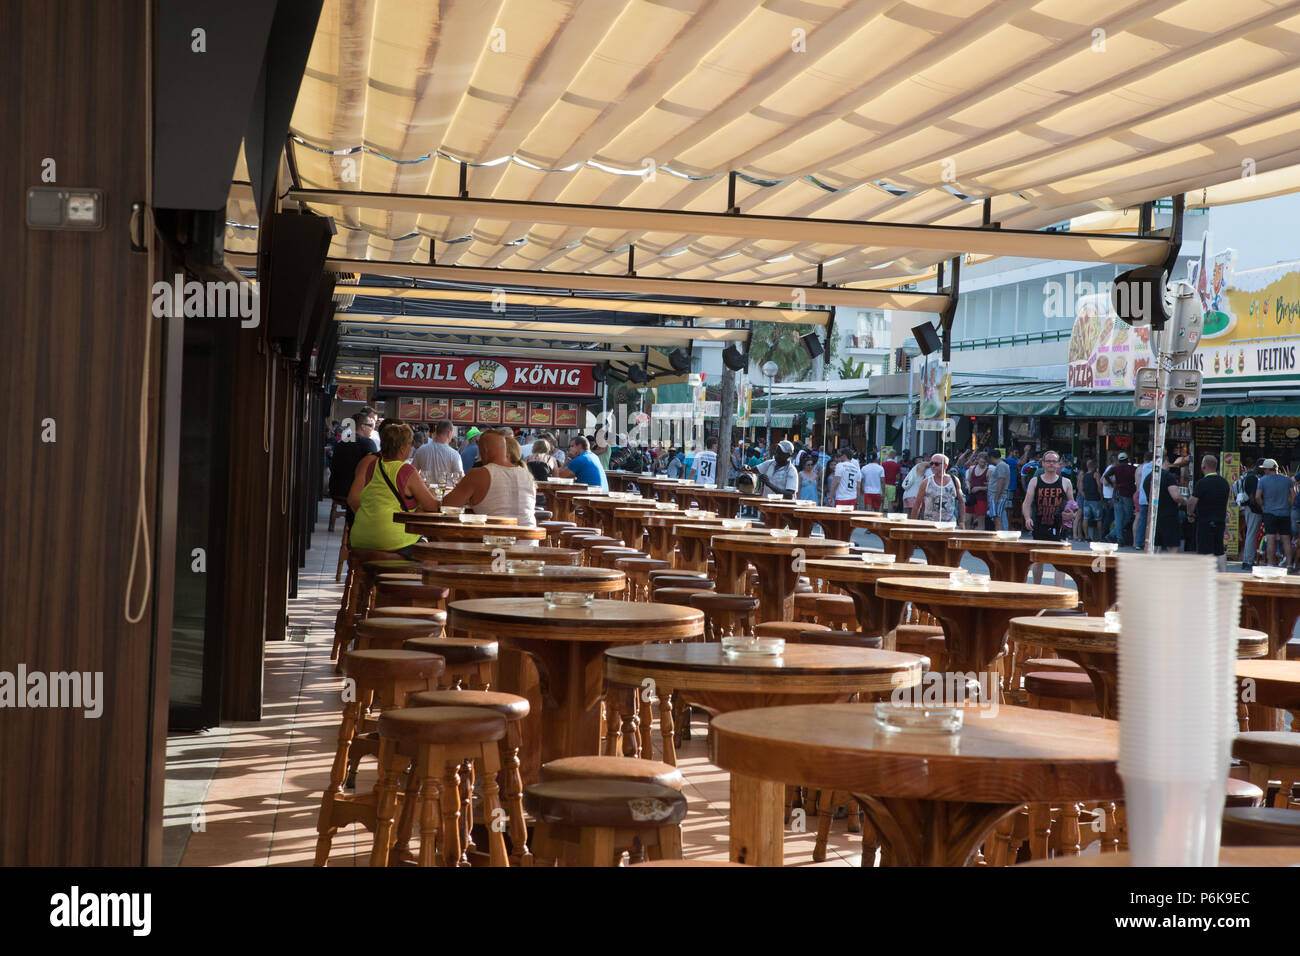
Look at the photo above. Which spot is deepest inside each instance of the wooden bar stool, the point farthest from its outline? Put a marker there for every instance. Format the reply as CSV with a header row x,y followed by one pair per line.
x,y
469,660
408,593
389,676
432,614
1243,793
553,529
1272,755
1260,826
593,822
627,769
725,615
638,575
1052,665
680,596
805,607
355,597
585,544
541,514
514,709
1068,692
605,556
836,611
790,630
838,638
566,535
677,574
433,742
390,633
695,584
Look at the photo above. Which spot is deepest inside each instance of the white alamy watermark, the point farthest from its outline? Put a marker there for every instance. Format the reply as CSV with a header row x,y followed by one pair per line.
x,y
1061,299
953,688
207,300
75,909
79,690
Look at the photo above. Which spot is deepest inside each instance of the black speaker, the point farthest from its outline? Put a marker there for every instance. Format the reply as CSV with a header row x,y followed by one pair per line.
x,y
733,359
322,315
679,360
927,338
598,372
1138,297
812,343
296,274
636,375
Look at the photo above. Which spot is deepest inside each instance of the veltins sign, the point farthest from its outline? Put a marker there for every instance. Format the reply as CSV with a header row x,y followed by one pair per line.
x,y
481,374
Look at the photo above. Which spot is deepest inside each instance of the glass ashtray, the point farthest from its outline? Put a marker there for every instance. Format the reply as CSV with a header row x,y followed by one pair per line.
x,y
500,540
754,646
844,507
875,557
1103,547
569,598
968,579
783,532
665,506
525,567
919,718
560,481
734,523
709,487
774,497
896,515
945,525
452,511
1266,573
1112,621
473,519
1007,535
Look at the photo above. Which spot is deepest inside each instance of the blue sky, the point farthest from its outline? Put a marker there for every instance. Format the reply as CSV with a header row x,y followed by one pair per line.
x,y
1263,232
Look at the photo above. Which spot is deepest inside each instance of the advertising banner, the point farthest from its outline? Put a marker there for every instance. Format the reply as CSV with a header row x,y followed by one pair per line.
x,y
515,413
566,415
352,393
936,385
410,409
462,411
489,411
541,414
744,403
436,408
467,373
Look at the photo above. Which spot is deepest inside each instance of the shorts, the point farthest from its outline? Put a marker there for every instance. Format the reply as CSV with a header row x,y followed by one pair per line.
x,y
871,502
891,493
1045,533
997,508
852,502
1209,537
980,507
1277,524
1091,510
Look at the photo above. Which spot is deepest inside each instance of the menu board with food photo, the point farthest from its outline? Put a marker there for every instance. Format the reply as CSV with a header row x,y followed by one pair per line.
x,y
489,411
1105,352
566,415
462,411
435,409
516,413
410,409
540,413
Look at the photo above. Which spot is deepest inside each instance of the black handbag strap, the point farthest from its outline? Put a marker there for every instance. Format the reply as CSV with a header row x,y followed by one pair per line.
x,y
379,465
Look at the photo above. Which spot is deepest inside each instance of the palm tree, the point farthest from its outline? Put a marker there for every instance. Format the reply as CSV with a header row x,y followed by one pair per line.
x,y
779,343
851,369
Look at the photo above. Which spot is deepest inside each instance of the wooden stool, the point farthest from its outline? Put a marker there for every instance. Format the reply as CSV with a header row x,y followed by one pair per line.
x,y
566,535
839,638
679,581
343,550
790,630
389,676
1243,793
1069,692
541,514
1272,755
835,610
674,573
514,709
409,593
680,596
638,575
431,614
433,742
553,529
805,607
585,544
725,615
355,597
468,659
389,633
628,769
1052,665
1260,826
604,556
592,822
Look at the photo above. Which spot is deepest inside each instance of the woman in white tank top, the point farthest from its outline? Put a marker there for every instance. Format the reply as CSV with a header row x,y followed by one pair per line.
x,y
497,487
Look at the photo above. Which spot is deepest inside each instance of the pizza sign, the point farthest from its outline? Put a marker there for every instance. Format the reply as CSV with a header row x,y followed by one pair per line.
x,y
481,374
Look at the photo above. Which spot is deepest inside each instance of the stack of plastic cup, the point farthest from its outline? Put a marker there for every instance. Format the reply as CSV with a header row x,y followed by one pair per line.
x,y
1171,712
1225,662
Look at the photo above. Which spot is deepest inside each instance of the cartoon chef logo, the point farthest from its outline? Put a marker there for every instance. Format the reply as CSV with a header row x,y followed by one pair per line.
x,y
485,375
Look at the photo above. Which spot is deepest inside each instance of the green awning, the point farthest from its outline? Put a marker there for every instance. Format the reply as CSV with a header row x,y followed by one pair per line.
x,y
1013,398
810,402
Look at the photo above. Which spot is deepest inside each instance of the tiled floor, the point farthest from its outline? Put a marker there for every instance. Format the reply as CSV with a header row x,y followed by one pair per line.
x,y
248,794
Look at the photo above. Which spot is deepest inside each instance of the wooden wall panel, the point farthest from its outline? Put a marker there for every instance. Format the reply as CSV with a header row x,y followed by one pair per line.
x,y
74,315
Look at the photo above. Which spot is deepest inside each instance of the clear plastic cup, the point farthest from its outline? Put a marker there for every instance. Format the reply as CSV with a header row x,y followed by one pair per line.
x,y
1168,820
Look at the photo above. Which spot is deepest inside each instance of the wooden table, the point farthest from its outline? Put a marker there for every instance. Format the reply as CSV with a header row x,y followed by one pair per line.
x,y
473,581
883,529
1007,560
693,542
1273,606
560,501
778,561
630,523
661,531
725,501
565,647
932,798
835,524
1087,642
974,620
857,578
438,518
706,675
476,552
475,532
1276,683
1094,573
1228,856
933,542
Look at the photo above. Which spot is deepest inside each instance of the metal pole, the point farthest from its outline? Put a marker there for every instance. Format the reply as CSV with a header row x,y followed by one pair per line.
x,y
769,414
908,441
1165,364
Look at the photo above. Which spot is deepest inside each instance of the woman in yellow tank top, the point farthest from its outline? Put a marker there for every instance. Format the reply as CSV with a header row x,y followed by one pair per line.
x,y
377,492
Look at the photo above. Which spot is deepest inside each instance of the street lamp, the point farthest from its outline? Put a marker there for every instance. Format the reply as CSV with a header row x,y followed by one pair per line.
x,y
769,370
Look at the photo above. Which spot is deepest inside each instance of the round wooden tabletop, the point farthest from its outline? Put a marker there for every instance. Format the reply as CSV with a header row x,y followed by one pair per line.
x,y
910,532
1063,558
762,542
1277,683
482,579
673,519
437,517
1287,586
610,622
1081,633
476,552
475,532
855,569
1228,856
993,543
871,521
801,669
1001,755
708,530
1000,594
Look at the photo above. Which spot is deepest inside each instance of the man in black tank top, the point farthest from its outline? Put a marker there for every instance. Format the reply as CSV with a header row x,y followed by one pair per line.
x,y
1045,501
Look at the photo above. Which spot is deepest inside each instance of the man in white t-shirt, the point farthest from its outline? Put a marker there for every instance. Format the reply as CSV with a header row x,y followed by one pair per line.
x,y
873,477
844,490
705,467
778,474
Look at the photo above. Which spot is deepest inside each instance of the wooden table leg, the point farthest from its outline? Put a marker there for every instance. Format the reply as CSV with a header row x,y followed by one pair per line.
x,y
666,728
757,810
932,832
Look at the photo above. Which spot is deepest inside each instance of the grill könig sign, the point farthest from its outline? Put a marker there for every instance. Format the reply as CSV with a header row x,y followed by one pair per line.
x,y
484,375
